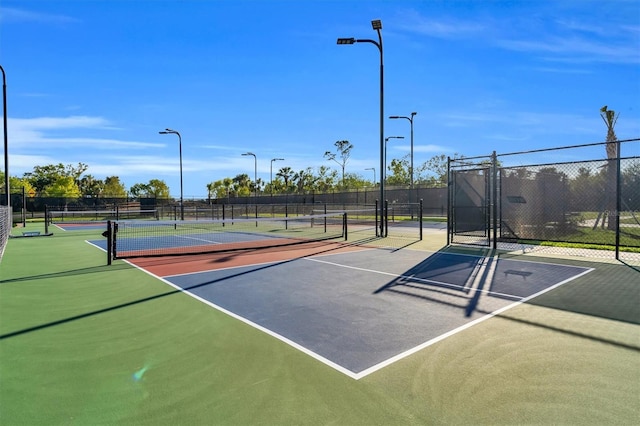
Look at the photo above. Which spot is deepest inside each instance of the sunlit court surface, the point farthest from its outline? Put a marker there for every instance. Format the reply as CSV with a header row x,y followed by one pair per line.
x,y
361,309
320,213
360,330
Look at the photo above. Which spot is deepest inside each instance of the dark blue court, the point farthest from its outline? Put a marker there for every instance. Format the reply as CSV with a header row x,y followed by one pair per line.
x,y
361,310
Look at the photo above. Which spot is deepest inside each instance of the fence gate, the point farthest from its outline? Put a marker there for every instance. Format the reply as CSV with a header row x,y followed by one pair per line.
x,y
469,220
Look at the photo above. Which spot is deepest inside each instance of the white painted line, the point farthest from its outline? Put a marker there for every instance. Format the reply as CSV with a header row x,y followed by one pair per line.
x,y
283,339
461,328
413,278
372,369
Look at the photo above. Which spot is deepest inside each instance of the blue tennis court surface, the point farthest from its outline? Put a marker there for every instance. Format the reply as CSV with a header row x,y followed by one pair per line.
x,y
362,310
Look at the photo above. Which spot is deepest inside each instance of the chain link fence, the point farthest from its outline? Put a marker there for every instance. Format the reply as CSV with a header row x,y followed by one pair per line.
x,y
5,228
550,200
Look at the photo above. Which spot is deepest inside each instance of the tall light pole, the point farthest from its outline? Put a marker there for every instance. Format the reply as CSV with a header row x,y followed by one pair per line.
x,y
174,132
271,173
385,147
376,24
6,141
374,174
255,174
413,114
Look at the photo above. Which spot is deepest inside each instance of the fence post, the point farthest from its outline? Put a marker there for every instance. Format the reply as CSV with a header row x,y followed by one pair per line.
x,y
449,199
618,199
494,198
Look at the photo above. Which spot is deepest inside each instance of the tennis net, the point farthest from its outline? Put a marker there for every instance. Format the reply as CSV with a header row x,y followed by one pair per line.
x,y
139,238
83,216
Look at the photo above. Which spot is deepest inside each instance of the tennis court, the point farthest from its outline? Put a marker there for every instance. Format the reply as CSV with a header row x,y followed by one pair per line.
x,y
337,331
356,308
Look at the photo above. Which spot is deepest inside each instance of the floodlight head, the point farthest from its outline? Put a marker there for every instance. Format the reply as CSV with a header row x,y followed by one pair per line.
x,y
414,113
376,24
349,40
248,153
394,116
163,132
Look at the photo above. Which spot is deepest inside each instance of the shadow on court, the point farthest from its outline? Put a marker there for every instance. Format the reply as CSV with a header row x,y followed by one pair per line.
x,y
357,310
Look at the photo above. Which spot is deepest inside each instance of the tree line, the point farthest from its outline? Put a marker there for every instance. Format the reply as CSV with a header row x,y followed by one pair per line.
x,y
72,181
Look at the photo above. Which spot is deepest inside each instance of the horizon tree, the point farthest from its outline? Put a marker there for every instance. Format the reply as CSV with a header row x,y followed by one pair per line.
x,y
610,118
343,149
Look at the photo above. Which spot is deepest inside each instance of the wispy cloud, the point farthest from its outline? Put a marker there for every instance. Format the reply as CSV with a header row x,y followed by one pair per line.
x,y
428,148
11,14
445,28
27,133
561,40
523,122
576,49
74,121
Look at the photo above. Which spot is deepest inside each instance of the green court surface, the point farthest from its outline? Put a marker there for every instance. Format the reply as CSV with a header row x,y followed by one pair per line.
x,y
89,344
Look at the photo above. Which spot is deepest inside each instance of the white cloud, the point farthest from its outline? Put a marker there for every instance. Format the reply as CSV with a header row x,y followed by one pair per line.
x,y
11,14
33,132
577,49
415,22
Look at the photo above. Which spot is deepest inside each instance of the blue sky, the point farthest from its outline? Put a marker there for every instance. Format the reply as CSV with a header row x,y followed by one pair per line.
x,y
94,82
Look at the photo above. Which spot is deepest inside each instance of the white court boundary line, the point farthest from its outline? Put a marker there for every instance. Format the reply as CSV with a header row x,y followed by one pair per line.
x,y
387,362
255,325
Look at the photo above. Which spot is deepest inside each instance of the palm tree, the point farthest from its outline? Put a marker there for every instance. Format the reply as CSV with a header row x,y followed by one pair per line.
x,y
286,173
610,118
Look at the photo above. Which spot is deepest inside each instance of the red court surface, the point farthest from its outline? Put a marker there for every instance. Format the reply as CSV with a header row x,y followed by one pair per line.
x,y
185,264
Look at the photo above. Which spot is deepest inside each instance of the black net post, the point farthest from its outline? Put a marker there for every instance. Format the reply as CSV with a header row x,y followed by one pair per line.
x,y
385,219
344,225
46,219
377,234
420,210
109,234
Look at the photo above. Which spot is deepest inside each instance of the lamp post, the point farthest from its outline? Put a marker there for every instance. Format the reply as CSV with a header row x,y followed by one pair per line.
x,y
376,24
174,132
255,174
413,114
385,146
271,173
374,174
6,140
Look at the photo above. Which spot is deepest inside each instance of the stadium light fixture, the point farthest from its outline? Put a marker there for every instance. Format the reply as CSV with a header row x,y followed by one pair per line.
x,y
271,173
374,174
413,114
255,173
385,146
377,26
174,132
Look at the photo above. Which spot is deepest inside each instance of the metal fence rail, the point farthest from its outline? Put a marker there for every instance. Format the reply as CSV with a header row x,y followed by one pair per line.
x,y
5,227
587,201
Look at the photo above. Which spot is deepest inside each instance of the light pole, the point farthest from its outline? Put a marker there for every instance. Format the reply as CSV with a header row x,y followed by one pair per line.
x,y
413,114
255,174
6,141
385,146
376,24
271,173
374,174
174,132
